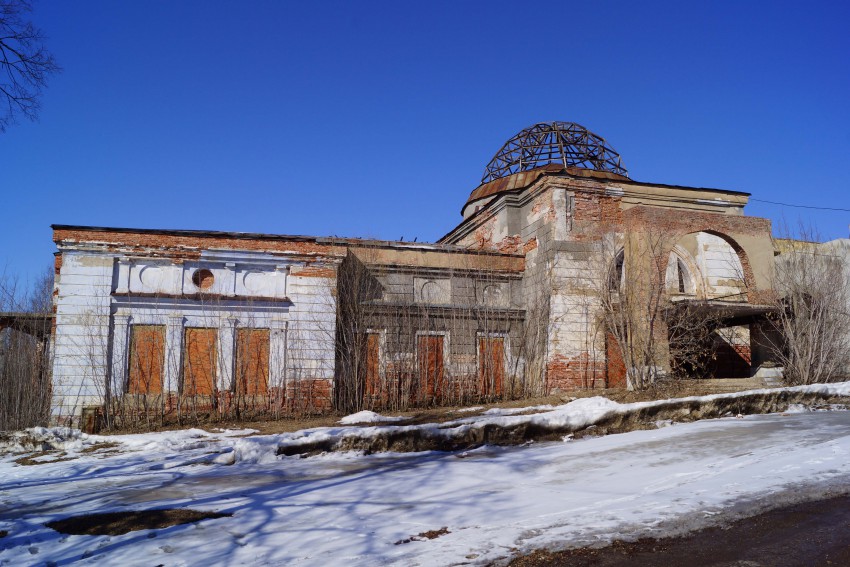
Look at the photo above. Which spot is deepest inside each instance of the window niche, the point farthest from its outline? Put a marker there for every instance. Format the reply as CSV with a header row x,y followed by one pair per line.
x,y
432,291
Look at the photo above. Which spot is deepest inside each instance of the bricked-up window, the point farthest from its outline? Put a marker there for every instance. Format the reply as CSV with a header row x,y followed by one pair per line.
x,y
147,359
199,361
252,361
203,279
373,365
429,352
491,366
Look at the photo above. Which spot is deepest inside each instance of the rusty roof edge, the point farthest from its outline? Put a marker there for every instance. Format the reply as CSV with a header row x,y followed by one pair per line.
x,y
187,232
564,172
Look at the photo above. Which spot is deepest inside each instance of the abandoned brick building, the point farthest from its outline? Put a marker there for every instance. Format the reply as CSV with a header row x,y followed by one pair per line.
x,y
504,305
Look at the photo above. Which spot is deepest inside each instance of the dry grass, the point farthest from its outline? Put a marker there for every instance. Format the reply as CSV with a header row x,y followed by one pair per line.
x,y
430,534
661,390
100,448
39,458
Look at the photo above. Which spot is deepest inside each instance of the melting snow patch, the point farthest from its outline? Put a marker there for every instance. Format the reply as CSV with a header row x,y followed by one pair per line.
x,y
515,411
43,439
366,416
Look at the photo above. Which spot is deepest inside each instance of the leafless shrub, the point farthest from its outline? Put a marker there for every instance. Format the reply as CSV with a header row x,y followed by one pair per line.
x,y
658,331
692,332
628,279
813,299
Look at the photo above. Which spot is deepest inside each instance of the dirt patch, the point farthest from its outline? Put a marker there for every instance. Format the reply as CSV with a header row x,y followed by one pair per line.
x,y
117,523
42,458
430,534
101,448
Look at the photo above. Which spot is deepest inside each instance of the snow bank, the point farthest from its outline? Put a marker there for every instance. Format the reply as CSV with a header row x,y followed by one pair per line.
x,y
515,426
499,426
366,416
44,439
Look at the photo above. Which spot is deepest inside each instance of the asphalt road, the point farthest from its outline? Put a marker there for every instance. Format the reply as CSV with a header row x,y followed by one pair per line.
x,y
807,534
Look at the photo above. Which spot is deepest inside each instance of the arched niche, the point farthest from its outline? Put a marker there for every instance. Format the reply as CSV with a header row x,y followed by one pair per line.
x,y
738,266
683,276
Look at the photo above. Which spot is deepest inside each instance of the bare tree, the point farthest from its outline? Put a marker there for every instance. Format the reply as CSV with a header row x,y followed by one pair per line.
x,y
658,330
813,298
629,279
25,63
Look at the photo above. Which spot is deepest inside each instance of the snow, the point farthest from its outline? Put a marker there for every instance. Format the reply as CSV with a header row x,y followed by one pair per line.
x,y
468,410
515,411
351,509
366,416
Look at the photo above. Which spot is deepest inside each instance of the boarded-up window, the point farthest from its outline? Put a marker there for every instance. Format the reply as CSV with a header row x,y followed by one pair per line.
x,y
373,368
430,355
252,361
616,366
147,359
491,365
199,361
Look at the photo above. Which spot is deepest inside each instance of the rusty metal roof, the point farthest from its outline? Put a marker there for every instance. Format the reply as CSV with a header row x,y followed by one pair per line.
x,y
521,180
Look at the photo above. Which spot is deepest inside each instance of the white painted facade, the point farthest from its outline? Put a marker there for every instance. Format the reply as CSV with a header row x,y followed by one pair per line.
x,y
102,293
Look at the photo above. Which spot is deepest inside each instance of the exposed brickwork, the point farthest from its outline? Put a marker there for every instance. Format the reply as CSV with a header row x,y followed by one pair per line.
x,y
575,373
616,367
724,226
530,244
309,396
697,221
192,245
314,272
482,236
595,213
510,244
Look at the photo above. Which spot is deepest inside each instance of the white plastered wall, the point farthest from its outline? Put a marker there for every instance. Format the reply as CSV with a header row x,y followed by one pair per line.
x,y
102,295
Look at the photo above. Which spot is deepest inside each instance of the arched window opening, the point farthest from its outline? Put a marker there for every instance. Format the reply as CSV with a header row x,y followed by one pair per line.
x,y
615,281
683,279
679,279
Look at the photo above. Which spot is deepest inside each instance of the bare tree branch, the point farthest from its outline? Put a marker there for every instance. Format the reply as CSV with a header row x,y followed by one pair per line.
x,y
24,61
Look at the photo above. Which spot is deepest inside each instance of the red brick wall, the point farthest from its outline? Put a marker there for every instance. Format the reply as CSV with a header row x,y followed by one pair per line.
x,y
191,245
309,396
573,373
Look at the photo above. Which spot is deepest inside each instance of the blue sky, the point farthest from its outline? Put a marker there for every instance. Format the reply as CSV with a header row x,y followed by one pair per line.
x,y
376,119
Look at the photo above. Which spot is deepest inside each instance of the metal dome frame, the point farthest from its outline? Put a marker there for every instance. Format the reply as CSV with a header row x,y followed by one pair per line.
x,y
566,143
